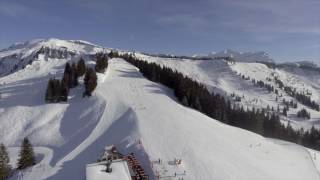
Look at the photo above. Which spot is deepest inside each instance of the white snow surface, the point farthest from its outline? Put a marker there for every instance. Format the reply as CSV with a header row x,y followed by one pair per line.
x,y
138,116
225,78
29,47
20,55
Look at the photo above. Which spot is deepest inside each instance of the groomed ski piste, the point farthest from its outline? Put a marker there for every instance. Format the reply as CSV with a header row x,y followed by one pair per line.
x,y
139,116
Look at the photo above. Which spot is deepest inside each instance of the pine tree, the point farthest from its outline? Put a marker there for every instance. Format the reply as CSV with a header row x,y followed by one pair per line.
x,y
303,113
284,111
185,101
101,63
5,168
67,78
197,104
75,75
49,91
56,90
63,92
81,67
26,156
113,54
90,82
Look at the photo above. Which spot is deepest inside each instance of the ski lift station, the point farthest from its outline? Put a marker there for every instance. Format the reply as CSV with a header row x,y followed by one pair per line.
x,y
115,166
97,171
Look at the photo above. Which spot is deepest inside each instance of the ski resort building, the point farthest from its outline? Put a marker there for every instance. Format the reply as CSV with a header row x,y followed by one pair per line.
x,y
115,166
97,171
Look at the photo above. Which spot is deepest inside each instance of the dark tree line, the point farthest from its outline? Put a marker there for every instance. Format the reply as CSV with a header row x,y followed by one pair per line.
x,y
195,95
306,100
90,78
290,103
262,84
301,97
236,97
311,138
58,90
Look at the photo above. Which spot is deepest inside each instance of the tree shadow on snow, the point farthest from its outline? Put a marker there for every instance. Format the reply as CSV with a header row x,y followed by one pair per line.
x,y
78,121
27,92
120,133
157,88
130,73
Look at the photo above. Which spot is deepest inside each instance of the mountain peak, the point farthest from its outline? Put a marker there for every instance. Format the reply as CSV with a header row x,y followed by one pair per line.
x,y
19,55
259,56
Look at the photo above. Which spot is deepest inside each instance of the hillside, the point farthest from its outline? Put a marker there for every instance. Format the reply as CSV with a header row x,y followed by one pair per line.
x,y
19,55
140,116
236,78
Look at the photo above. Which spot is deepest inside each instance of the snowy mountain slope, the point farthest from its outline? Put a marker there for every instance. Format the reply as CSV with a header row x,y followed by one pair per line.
x,y
138,116
225,78
29,47
209,149
308,76
19,55
304,81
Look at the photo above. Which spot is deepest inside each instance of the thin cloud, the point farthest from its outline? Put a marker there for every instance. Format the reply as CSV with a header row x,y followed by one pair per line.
x,y
12,9
25,11
285,16
252,16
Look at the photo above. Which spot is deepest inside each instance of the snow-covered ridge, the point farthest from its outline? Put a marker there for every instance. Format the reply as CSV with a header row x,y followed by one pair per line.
x,y
19,55
301,64
26,48
244,56
259,56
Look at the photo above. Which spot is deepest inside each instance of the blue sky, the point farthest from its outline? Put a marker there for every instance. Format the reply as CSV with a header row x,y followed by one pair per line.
x,y
288,29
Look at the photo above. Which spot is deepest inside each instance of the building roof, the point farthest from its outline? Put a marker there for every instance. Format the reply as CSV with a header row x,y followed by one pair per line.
x,y
96,171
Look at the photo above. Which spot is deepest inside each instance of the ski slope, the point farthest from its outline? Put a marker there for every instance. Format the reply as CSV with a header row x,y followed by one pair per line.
x,y
206,146
137,116
225,78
